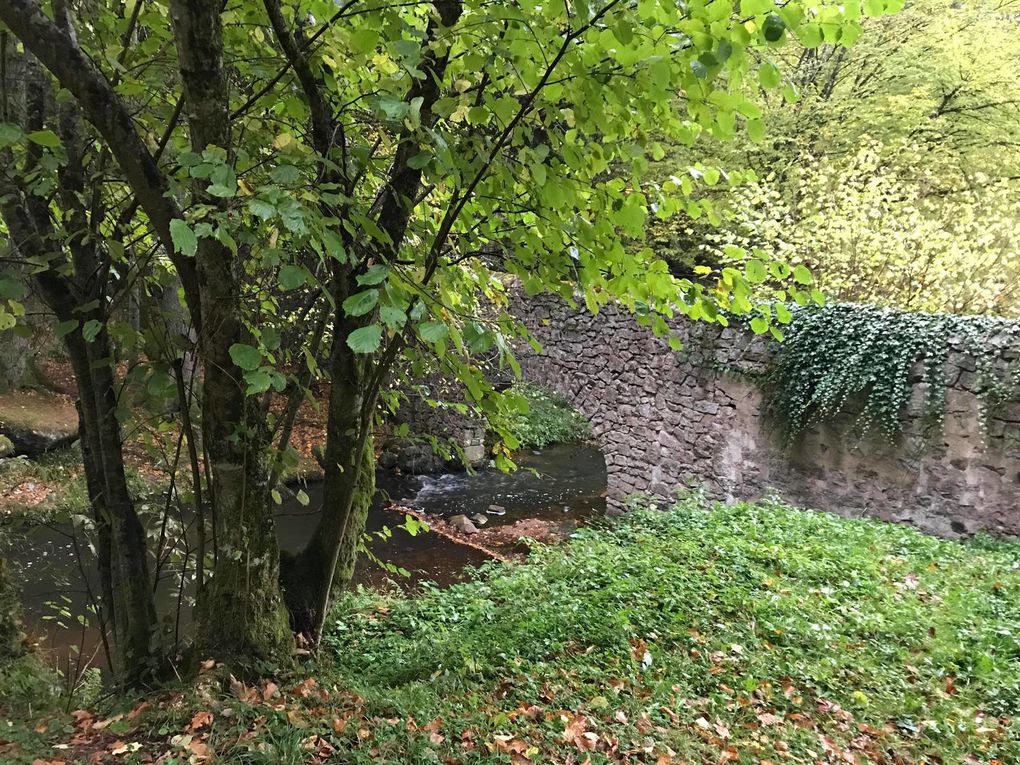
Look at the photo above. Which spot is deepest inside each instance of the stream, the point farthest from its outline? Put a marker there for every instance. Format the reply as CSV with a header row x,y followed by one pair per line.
x,y
561,486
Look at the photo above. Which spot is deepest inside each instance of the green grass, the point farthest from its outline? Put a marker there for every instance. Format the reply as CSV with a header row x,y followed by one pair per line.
x,y
765,623
550,419
744,634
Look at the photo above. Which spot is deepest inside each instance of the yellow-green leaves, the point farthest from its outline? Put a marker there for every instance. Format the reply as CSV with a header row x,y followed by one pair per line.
x,y
366,339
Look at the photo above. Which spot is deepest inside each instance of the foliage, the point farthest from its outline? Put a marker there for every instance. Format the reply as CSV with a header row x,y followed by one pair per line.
x,y
853,356
59,474
28,687
740,634
891,169
298,190
549,419
876,226
728,617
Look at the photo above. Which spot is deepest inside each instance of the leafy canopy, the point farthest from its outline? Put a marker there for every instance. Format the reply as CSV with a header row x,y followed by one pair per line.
x,y
534,155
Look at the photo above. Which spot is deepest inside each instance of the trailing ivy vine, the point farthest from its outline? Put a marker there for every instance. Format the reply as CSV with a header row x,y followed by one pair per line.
x,y
872,356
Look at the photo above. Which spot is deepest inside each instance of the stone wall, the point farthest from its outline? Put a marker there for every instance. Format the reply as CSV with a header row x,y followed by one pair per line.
x,y
665,419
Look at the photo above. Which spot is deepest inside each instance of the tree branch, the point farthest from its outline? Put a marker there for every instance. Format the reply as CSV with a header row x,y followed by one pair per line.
x,y
104,109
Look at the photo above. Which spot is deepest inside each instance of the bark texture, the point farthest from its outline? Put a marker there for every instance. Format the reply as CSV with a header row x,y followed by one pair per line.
x,y
241,612
71,284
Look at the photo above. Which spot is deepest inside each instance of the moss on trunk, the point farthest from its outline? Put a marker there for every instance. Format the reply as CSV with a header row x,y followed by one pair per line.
x,y
304,575
11,636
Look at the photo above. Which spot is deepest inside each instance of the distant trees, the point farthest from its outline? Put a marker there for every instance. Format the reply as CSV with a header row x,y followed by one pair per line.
x,y
894,171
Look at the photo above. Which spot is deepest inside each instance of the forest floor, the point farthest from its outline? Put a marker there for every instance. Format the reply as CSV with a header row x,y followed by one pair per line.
x,y
748,634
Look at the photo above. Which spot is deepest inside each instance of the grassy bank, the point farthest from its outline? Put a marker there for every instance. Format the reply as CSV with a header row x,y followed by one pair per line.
x,y
748,634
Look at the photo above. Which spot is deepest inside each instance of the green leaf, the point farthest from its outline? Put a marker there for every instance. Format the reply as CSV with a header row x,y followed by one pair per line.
x,y
374,275
90,331
361,303
759,326
261,209
810,35
259,381
768,76
334,246
184,239
365,340
433,331
245,356
773,27
420,160
285,174
364,40
802,275
755,270
45,138
65,328
10,134
392,316
394,108
221,191
292,277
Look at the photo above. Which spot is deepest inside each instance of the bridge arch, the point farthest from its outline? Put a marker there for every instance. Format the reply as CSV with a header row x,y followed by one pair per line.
x,y
666,419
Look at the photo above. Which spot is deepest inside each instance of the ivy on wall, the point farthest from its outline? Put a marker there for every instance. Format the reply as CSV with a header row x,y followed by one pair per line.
x,y
850,356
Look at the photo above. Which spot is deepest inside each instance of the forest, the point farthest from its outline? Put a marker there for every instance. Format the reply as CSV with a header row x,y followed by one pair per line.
x,y
284,477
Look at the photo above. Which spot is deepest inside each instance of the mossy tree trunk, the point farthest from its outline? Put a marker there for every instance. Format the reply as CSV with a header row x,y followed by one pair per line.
x,y
241,612
327,562
70,287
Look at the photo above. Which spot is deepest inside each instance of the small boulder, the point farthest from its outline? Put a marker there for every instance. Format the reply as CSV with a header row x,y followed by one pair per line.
x,y
37,422
462,524
496,510
479,519
6,447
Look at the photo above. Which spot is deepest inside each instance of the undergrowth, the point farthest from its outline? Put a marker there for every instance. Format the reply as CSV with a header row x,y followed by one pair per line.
x,y
549,419
747,634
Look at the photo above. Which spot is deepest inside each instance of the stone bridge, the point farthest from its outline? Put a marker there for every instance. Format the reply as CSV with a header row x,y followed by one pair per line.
x,y
666,419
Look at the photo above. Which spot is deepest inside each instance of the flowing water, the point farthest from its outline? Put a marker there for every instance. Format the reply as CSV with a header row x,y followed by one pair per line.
x,y
562,486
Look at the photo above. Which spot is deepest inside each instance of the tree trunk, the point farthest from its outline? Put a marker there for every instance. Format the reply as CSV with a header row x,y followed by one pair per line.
x,y
77,296
327,562
122,550
306,576
241,615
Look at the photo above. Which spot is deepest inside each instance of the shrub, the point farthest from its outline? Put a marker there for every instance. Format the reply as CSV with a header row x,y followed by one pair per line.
x,y
549,419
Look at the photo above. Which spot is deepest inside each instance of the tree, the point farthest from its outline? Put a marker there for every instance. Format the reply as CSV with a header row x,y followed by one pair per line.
x,y
339,177
890,167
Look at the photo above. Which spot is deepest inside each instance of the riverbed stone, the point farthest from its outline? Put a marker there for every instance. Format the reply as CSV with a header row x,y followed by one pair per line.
x,y
479,519
462,523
